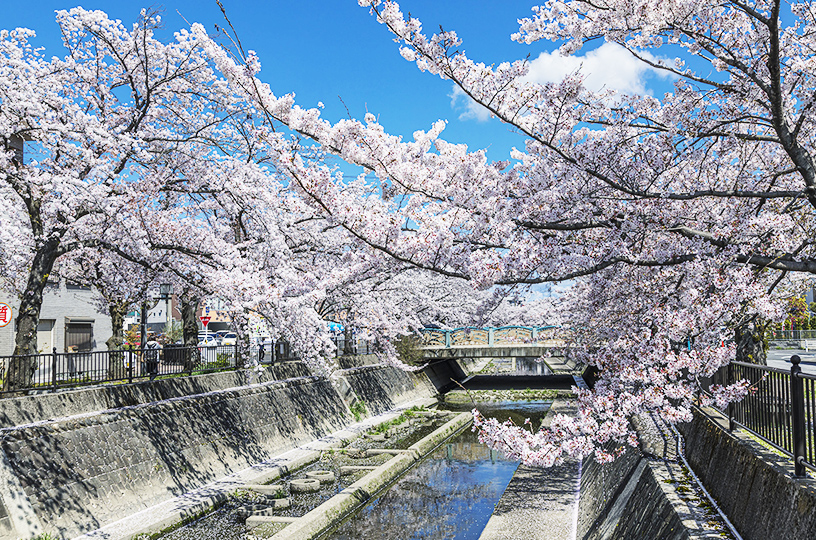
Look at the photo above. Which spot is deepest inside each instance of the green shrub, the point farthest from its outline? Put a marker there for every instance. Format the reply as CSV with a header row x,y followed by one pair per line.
x,y
358,409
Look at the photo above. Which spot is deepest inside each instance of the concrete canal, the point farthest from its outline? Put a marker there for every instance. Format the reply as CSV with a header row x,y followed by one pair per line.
x,y
357,456
450,493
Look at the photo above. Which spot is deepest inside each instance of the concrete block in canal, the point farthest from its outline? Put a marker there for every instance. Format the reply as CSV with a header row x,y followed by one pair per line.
x,y
346,470
304,485
255,521
248,509
324,477
276,504
268,508
378,451
270,490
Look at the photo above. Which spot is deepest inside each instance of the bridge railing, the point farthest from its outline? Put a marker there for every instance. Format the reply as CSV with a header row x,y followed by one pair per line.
x,y
437,337
780,408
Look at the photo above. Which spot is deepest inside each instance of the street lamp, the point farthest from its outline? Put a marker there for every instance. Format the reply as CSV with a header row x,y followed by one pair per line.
x,y
165,293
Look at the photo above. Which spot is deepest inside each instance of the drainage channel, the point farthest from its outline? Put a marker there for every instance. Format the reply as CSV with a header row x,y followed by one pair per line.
x,y
430,478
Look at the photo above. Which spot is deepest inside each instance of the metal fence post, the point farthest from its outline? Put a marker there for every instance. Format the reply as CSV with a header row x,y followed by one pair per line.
x,y
130,364
54,369
728,379
798,406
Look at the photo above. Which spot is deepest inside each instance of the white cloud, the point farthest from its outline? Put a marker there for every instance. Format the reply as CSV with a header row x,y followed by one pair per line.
x,y
472,110
610,66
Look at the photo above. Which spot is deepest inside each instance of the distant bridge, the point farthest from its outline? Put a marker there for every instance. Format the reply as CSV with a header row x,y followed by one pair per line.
x,y
503,357
502,335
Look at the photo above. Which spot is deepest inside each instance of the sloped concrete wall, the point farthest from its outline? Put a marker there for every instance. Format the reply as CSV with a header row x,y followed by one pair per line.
x,y
77,473
45,406
442,374
635,496
600,485
645,506
382,388
755,487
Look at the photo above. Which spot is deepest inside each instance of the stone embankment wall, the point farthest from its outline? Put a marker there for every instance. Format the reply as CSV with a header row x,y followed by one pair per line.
x,y
636,495
78,460
382,390
29,409
754,486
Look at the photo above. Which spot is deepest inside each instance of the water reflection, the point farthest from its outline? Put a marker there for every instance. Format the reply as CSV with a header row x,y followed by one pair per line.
x,y
451,494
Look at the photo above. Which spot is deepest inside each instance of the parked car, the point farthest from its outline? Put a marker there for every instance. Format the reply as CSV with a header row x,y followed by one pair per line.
x,y
205,339
229,338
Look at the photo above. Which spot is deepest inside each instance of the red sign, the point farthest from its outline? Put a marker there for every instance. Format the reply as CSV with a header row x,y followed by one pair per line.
x,y
205,321
5,314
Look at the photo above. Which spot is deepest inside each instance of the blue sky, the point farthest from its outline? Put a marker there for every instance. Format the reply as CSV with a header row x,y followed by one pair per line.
x,y
333,50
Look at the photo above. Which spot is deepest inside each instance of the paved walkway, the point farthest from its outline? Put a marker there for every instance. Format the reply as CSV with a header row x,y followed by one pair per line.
x,y
539,503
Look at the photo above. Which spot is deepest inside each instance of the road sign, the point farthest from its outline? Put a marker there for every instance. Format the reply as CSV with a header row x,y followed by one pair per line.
x,y
206,310
5,314
205,321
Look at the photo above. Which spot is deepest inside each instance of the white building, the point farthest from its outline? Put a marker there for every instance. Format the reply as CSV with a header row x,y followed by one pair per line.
x,y
69,317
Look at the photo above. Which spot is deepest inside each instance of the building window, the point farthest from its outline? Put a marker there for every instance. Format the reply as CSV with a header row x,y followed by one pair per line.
x,y
78,336
45,335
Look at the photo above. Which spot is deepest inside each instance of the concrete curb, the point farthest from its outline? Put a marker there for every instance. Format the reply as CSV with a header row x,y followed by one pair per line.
x,y
174,511
331,512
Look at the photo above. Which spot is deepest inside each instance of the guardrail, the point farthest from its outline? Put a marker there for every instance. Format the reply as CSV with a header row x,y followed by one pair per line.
x,y
437,337
53,371
355,346
780,408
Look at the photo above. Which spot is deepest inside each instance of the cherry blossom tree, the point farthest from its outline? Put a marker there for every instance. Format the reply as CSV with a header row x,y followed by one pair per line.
x,y
106,128
679,215
139,150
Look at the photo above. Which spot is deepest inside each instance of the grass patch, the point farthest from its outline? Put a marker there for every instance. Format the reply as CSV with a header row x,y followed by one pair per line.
x,y
358,409
406,415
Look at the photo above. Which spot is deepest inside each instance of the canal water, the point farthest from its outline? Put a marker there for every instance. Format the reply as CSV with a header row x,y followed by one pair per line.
x,y
451,494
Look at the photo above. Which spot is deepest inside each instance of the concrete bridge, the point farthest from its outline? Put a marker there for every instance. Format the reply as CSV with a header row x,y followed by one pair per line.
x,y
504,357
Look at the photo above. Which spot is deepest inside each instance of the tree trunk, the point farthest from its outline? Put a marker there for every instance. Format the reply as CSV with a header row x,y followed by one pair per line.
x,y
750,340
22,368
116,367
189,307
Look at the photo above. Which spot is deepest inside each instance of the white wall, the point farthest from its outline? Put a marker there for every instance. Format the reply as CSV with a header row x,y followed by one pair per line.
x,y
60,305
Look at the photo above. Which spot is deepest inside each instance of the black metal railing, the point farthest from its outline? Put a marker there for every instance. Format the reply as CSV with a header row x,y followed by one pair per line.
x,y
355,346
55,370
64,370
780,407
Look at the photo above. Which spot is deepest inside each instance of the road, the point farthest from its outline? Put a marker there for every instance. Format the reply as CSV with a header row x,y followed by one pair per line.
x,y
780,358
